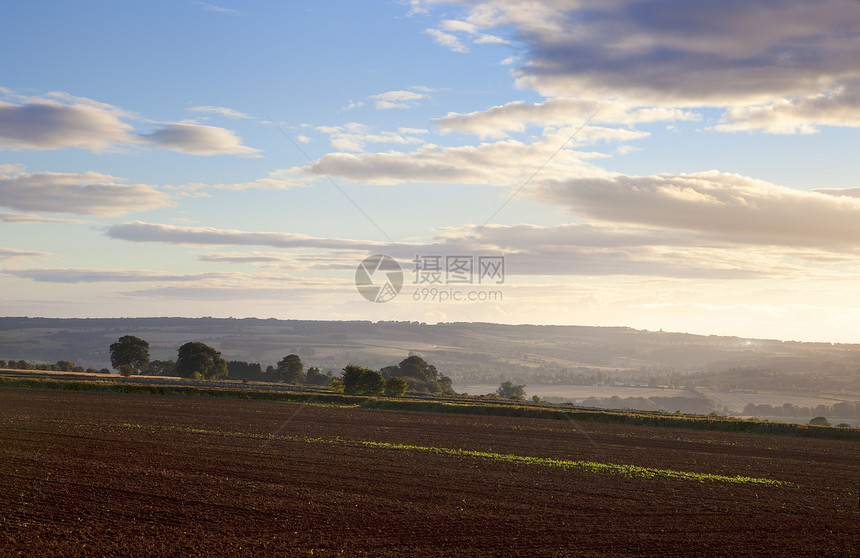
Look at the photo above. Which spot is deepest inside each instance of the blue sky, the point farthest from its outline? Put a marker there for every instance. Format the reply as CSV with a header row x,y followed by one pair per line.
x,y
686,166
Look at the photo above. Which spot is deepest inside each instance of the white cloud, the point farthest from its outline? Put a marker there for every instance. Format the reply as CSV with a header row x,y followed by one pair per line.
x,y
517,116
171,234
399,99
447,40
720,205
198,140
221,111
354,136
804,115
59,120
48,124
501,163
485,39
88,193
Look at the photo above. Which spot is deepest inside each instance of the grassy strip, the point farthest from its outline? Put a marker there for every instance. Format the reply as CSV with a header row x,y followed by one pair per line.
x,y
112,386
506,409
633,471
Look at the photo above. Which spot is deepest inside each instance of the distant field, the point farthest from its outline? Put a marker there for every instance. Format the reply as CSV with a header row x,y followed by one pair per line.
x,y
737,401
577,393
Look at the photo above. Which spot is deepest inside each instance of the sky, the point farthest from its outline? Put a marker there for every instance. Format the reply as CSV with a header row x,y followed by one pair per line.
x,y
657,164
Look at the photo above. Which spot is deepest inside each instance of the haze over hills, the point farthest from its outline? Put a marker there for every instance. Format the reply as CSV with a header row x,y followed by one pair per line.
x,y
470,353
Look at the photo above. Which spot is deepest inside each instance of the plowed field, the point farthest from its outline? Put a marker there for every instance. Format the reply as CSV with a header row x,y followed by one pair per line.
x,y
125,475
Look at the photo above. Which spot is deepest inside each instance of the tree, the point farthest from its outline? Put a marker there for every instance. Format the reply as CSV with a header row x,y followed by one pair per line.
x,y
510,390
317,378
161,368
130,350
395,386
371,383
196,357
819,421
291,370
126,370
416,367
362,381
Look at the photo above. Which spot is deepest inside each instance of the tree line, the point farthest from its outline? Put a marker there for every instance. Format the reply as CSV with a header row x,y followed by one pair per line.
x,y
60,366
197,360
843,409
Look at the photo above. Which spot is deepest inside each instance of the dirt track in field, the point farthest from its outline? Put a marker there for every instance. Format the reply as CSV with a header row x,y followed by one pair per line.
x,y
124,475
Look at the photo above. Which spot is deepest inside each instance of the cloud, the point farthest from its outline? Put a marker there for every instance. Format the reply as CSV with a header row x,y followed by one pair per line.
x,y
28,219
221,111
59,120
170,234
88,193
516,116
78,275
217,9
398,99
354,136
445,35
198,140
501,163
48,124
337,260
676,52
720,205
245,258
447,40
804,115
8,254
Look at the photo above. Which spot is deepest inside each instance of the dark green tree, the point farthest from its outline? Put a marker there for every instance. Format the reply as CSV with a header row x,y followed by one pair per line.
x,y
198,357
351,377
291,370
371,383
130,350
317,378
362,381
395,386
510,390
416,367
819,421
162,368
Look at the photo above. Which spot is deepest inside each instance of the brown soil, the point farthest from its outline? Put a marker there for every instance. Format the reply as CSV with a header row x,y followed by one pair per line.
x,y
126,475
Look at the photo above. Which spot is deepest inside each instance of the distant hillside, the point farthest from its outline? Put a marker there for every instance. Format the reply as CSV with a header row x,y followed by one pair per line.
x,y
468,352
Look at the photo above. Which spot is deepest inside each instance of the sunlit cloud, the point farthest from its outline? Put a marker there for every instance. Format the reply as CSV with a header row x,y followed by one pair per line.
x,y
721,205
89,193
354,136
398,99
171,234
501,163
